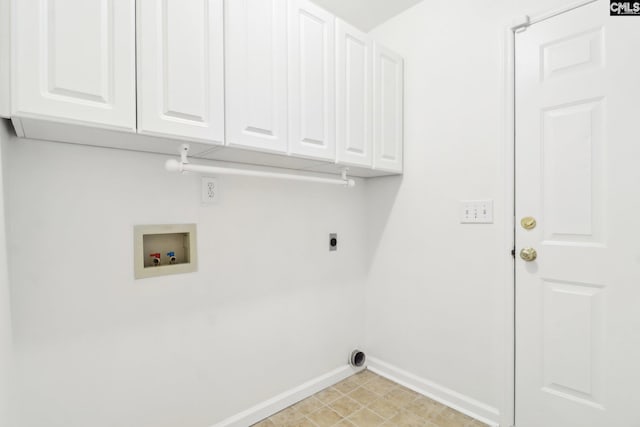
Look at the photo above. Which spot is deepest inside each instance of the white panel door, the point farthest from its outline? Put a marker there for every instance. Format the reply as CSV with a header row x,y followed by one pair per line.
x,y
311,81
388,77
354,96
75,61
577,174
181,69
256,74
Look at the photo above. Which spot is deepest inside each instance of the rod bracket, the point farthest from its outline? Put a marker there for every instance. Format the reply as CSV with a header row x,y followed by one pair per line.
x,y
348,182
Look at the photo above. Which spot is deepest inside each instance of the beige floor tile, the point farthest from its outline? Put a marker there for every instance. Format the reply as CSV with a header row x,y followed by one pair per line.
x,y
346,386
384,408
380,385
450,418
425,407
401,397
328,395
286,417
368,400
363,377
408,419
307,406
345,406
365,418
363,396
265,423
303,422
324,417
425,423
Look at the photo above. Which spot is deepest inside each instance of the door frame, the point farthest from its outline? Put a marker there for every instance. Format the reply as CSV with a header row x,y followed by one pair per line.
x,y
508,415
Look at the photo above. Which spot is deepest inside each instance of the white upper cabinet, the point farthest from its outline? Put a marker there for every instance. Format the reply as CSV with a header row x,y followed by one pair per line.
x,y
354,96
181,69
256,74
74,61
283,77
311,81
388,76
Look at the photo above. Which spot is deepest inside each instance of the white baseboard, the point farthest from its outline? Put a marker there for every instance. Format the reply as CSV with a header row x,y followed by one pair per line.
x,y
288,398
450,398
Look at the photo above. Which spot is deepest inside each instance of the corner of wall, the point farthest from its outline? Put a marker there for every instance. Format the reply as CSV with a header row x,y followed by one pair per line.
x,y
6,339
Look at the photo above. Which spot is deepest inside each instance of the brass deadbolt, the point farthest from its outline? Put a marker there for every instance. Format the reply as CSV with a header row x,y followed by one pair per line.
x,y
528,223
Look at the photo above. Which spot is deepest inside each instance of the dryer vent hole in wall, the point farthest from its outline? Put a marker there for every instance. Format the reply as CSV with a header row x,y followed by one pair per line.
x,y
357,359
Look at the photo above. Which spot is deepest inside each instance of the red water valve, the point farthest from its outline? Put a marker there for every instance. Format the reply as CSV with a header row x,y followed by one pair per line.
x,y
156,258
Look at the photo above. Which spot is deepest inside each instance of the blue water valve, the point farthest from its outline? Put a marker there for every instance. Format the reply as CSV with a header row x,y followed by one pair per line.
x,y
172,257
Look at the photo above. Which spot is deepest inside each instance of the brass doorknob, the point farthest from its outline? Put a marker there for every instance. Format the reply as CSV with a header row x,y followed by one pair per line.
x,y
528,254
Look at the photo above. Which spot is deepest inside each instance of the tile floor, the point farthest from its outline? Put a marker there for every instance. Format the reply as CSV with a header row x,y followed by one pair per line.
x,y
365,400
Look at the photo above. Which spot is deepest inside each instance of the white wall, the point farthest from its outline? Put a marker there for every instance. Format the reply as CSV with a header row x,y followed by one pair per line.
x,y
437,296
6,345
269,309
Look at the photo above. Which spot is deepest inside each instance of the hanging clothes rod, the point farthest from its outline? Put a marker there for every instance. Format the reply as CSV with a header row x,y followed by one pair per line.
x,y
183,165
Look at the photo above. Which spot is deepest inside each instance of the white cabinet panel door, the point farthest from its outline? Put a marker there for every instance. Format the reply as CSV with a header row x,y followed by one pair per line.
x,y
387,107
354,99
577,317
75,61
311,81
256,74
181,69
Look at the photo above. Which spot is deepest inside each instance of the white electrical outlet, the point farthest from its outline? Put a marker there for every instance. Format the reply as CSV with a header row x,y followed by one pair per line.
x,y
476,212
210,190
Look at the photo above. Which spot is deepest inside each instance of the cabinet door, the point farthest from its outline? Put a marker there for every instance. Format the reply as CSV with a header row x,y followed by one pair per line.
x,y
354,103
311,81
75,61
181,69
256,74
388,115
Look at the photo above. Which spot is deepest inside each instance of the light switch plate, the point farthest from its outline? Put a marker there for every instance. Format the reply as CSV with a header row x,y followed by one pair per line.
x,y
476,212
